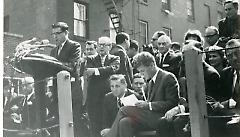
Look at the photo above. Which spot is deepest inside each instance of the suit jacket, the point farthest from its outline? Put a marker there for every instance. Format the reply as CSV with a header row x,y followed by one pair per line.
x,y
229,27
69,55
98,85
211,81
125,64
227,87
165,92
110,107
29,111
171,62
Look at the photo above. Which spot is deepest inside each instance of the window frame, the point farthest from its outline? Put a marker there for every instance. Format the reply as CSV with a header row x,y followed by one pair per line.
x,y
166,6
192,17
168,31
84,21
146,31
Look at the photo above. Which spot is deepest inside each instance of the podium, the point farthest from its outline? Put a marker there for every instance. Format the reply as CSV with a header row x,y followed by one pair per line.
x,y
40,66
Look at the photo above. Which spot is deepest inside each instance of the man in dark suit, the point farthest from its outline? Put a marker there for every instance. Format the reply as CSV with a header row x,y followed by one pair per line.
x,y
68,52
231,85
229,27
167,59
123,43
163,94
112,100
98,69
231,76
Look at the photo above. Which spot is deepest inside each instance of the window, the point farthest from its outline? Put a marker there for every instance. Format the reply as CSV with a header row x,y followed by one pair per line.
x,y
208,15
190,10
166,5
143,32
112,31
6,23
167,31
80,20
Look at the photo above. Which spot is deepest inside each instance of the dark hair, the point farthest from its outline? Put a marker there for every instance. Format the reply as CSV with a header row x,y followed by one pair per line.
x,y
121,37
235,4
194,33
134,44
92,42
137,75
120,77
62,25
143,58
159,33
176,45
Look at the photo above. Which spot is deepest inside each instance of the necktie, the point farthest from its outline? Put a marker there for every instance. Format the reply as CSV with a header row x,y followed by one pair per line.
x,y
161,61
59,49
150,88
119,103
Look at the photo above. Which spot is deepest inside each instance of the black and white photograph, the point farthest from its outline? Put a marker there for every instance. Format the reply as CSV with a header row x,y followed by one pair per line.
x,y
120,68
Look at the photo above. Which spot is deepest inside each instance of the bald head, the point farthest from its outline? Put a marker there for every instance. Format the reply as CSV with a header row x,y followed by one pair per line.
x,y
211,35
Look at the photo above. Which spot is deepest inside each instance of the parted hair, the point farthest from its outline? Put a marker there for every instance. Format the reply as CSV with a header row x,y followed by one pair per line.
x,y
143,58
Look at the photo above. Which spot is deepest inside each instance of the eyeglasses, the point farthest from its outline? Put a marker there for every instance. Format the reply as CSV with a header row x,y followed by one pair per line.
x,y
56,33
162,43
207,36
103,45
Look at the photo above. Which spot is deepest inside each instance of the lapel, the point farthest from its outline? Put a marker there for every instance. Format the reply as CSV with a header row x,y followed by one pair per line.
x,y
107,60
62,55
156,85
98,61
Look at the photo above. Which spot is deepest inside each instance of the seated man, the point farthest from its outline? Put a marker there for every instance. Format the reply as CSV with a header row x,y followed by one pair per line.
x,y
163,94
112,101
217,127
139,85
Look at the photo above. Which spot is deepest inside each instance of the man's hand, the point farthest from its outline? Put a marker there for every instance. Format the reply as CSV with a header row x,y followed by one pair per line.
x,y
104,132
90,71
172,112
142,104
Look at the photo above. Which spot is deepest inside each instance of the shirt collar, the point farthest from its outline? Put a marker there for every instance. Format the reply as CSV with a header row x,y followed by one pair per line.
x,y
155,75
63,43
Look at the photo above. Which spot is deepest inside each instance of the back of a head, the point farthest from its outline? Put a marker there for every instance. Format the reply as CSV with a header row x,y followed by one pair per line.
x,y
134,45
194,33
143,58
121,37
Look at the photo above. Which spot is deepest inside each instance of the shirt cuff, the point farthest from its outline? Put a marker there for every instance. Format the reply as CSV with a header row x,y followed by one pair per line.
x,y
150,106
181,108
97,73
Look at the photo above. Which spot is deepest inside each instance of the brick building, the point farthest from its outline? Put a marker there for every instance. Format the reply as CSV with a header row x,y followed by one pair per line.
x,y
88,19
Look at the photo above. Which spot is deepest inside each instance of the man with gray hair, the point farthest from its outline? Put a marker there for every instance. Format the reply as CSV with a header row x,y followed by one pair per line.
x,y
98,69
167,59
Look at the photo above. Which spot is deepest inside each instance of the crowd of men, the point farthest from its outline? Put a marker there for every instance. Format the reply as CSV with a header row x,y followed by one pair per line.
x,y
105,73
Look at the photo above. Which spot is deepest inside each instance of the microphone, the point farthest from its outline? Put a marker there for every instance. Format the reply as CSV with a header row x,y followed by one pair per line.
x,y
43,43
